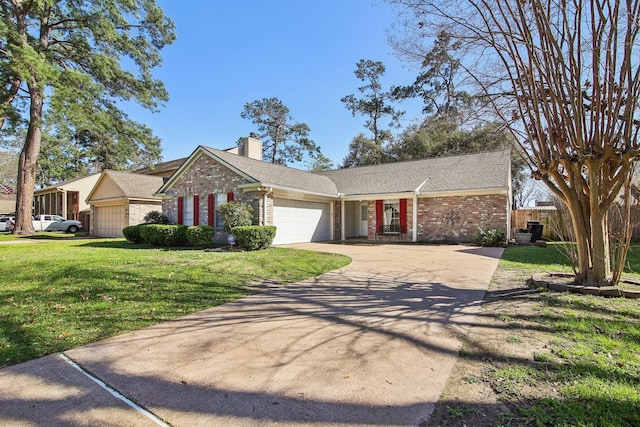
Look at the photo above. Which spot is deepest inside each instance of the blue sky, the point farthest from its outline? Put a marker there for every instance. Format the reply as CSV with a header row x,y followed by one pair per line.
x,y
304,52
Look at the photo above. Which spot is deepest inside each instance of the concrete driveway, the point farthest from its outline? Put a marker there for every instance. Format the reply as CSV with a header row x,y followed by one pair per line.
x,y
370,344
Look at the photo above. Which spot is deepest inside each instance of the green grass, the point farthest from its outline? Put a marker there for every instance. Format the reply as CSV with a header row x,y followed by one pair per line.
x,y
63,293
593,362
528,259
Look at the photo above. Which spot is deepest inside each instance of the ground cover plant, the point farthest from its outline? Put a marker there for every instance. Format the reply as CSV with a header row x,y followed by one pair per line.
x,y
67,292
540,358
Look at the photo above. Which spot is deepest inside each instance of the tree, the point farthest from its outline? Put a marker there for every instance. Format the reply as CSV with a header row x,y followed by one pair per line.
x,y
442,136
108,142
8,168
364,151
319,162
83,58
374,103
437,84
284,141
565,77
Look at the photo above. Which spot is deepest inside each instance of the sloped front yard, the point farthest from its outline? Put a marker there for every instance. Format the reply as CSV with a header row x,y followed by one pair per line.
x,y
60,294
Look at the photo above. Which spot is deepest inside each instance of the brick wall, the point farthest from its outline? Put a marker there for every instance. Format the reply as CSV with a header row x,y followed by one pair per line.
x,y
459,218
205,177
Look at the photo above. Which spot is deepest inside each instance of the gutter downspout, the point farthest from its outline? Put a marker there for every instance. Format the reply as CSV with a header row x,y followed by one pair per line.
x,y
416,193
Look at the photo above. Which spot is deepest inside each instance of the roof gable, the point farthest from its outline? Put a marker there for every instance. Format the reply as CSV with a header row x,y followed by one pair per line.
x,y
261,173
125,185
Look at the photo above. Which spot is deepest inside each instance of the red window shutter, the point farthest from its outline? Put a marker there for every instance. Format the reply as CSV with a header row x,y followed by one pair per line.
x,y
210,210
379,214
180,210
196,209
230,197
403,215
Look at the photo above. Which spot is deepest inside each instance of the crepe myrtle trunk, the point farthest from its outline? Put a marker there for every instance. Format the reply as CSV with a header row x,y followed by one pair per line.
x,y
592,242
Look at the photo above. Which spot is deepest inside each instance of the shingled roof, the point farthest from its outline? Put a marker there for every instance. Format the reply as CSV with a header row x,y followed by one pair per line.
x,y
133,185
482,171
470,172
269,174
157,169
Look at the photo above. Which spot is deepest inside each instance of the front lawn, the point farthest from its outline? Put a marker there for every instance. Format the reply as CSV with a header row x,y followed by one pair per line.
x,y
540,358
63,293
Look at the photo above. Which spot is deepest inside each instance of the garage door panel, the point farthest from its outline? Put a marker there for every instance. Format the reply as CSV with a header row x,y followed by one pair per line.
x,y
108,221
301,221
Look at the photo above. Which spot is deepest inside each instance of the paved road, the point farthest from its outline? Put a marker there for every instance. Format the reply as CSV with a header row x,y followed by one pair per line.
x,y
370,344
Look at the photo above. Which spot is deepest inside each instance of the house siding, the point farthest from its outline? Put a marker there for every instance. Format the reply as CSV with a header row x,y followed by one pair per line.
x,y
459,218
204,177
138,210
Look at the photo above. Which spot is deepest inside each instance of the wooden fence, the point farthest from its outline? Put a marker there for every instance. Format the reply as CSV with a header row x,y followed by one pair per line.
x,y
548,216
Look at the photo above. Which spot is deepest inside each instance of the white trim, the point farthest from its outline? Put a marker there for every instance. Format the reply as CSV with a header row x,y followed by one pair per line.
x,y
254,186
414,232
343,226
454,193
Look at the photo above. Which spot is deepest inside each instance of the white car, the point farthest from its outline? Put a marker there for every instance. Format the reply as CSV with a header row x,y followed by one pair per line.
x,y
7,223
45,222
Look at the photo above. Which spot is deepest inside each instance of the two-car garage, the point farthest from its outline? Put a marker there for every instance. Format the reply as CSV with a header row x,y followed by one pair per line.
x,y
300,221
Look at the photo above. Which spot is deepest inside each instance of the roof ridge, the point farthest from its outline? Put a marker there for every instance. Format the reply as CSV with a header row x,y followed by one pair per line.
x,y
448,156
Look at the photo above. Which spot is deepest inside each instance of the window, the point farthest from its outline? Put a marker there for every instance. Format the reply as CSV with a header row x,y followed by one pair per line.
x,y
187,216
364,213
220,199
391,213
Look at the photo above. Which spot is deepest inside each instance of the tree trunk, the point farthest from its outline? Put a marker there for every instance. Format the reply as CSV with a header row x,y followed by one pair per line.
x,y
27,164
590,228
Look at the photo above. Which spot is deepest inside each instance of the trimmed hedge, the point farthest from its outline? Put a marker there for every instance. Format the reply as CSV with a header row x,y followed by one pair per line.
x,y
201,235
132,233
254,237
235,214
164,235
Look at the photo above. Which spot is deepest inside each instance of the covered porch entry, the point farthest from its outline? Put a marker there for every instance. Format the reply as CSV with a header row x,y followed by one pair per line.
x,y
375,219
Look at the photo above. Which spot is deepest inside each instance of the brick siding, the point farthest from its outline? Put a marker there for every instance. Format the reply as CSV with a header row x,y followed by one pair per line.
x,y
204,177
459,219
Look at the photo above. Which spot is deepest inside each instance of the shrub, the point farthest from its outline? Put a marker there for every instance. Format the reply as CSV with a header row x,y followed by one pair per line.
x,y
155,217
254,237
490,237
132,233
201,235
145,232
165,235
235,214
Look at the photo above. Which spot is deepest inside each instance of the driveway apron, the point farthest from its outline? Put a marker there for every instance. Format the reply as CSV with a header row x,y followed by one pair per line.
x,y
370,344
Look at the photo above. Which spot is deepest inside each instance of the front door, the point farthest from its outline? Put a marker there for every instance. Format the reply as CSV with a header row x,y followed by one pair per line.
x,y
364,219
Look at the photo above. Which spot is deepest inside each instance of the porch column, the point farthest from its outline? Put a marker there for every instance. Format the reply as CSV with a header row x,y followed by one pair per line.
x,y
63,196
342,225
414,237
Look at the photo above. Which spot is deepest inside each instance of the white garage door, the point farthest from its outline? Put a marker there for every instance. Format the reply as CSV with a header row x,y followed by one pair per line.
x,y
108,221
300,222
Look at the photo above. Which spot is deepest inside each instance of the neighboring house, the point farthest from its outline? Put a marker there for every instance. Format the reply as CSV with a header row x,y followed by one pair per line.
x,y
164,170
7,200
439,199
120,199
66,199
